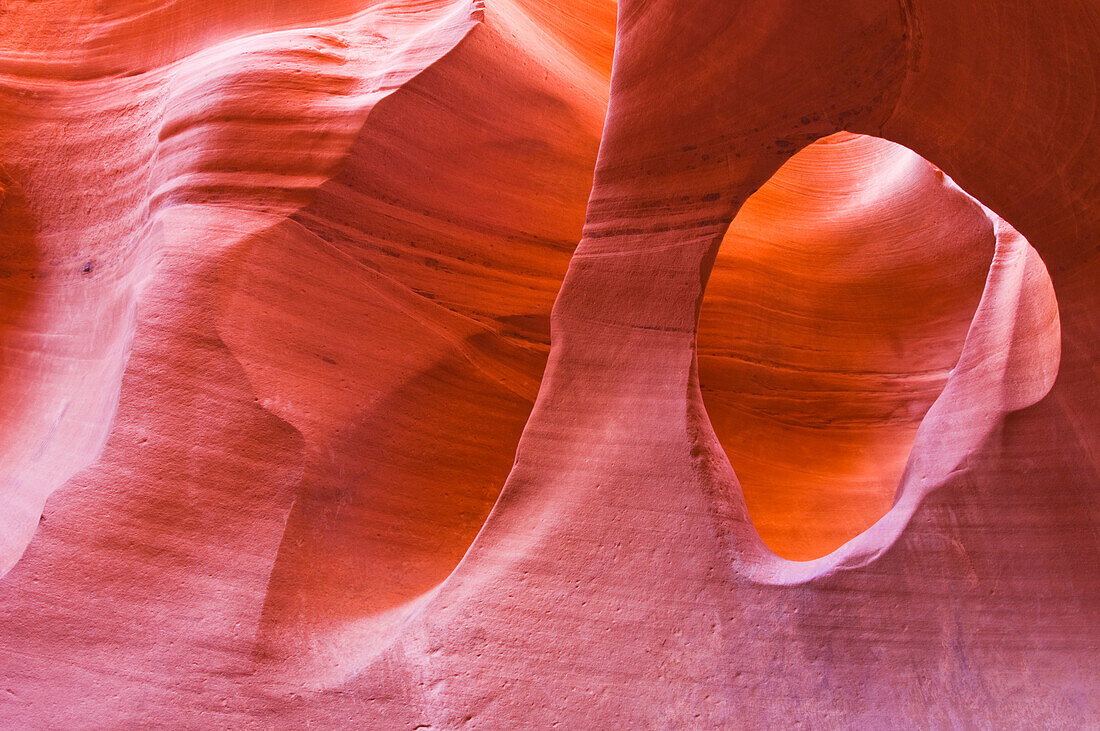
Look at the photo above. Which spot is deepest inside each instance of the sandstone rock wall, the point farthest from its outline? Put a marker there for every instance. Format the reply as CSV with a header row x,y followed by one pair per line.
x,y
394,364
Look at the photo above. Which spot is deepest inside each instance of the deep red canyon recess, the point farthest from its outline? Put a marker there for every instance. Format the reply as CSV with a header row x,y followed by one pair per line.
x,y
527,364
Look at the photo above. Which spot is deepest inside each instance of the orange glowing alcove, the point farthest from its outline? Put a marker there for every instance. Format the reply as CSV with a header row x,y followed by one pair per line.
x,y
838,305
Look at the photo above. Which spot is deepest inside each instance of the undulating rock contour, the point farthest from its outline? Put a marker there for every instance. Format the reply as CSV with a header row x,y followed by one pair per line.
x,y
514,363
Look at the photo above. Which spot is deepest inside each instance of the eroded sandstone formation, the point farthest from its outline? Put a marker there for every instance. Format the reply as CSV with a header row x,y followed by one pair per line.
x,y
316,413
837,307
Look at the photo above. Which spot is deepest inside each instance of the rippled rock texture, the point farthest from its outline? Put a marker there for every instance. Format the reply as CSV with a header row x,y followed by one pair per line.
x,y
316,413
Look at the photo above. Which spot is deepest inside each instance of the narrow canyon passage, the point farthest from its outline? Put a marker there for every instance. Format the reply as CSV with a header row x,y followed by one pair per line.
x,y
579,364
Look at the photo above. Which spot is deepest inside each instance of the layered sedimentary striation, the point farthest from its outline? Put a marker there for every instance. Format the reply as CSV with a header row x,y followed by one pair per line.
x,y
317,413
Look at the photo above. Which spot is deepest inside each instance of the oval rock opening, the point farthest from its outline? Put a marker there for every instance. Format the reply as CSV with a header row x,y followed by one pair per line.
x,y
838,305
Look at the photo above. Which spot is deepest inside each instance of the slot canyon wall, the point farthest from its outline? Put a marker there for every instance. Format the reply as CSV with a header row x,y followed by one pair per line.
x,y
513,363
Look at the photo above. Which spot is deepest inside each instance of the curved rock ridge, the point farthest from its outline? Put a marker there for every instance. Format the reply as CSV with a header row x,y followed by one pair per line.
x,y
136,180
410,357
326,267
317,414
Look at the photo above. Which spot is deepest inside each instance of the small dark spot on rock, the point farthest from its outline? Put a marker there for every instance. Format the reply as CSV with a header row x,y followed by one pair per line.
x,y
711,197
88,267
326,359
805,120
782,143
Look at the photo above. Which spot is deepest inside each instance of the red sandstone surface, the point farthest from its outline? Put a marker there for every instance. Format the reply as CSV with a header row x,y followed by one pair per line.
x,y
409,364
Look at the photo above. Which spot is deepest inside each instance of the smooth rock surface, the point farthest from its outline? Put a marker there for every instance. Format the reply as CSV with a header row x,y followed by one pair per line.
x,y
316,413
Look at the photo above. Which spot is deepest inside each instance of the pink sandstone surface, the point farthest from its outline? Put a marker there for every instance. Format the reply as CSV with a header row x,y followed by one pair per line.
x,y
411,364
